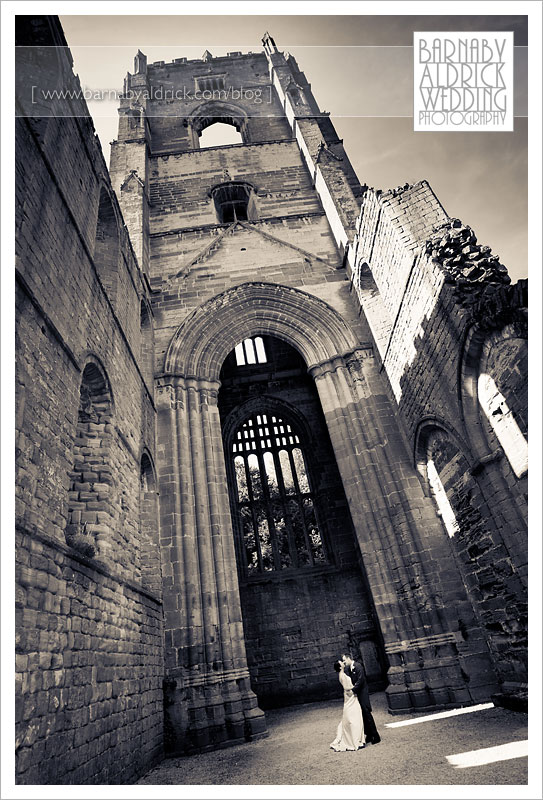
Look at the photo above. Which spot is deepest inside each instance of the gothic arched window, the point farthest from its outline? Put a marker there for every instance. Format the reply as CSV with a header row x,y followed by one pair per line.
x,y
149,536
106,246
445,508
277,520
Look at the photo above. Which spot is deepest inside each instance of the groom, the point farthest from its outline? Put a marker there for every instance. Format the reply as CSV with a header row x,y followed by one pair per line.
x,y
360,688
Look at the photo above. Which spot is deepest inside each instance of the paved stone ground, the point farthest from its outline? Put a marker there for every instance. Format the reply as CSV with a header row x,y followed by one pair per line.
x,y
297,752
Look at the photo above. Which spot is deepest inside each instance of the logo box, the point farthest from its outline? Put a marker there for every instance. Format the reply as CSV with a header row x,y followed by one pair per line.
x,y
463,81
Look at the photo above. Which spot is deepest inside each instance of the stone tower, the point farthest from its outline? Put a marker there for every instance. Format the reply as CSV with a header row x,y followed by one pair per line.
x,y
265,415
268,365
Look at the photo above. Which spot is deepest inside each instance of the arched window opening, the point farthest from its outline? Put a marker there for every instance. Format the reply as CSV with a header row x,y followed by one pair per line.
x,y
146,344
216,123
89,499
106,247
295,545
278,522
444,506
234,200
250,351
218,134
503,424
149,527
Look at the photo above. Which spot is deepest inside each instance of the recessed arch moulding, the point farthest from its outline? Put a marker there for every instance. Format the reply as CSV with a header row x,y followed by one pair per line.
x,y
201,344
394,521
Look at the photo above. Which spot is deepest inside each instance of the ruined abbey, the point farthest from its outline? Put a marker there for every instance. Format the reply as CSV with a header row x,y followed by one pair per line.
x,y
264,414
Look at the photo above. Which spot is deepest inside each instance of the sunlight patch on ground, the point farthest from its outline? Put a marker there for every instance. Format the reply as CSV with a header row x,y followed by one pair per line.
x,y
488,755
441,715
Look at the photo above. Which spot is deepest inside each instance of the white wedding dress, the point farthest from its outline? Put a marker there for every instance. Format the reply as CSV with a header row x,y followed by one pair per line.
x,y
350,731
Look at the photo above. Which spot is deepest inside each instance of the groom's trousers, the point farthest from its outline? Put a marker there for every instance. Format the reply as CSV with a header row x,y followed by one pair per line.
x,y
370,729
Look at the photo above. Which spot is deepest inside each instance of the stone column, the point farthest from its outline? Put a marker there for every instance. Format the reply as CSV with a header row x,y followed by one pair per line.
x,y
392,519
209,701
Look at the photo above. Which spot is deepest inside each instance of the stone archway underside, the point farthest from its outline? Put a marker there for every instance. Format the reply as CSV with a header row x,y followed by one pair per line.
x,y
400,537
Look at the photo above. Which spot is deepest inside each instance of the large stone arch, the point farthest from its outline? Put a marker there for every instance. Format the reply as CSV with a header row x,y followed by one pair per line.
x,y
395,522
211,111
315,329
301,616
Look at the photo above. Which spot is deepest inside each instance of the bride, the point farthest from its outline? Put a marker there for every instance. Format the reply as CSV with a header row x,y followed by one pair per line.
x,y
350,731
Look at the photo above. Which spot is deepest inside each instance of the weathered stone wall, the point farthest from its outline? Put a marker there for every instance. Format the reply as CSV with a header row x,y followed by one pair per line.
x,y
507,364
489,572
52,271
233,259
291,651
89,638
451,320
180,183
396,293
89,669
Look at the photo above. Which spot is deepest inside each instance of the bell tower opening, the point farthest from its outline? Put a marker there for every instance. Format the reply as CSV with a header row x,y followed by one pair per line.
x,y
299,567
218,134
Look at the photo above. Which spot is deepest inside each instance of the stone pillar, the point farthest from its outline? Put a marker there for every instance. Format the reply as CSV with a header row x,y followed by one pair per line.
x,y
209,701
398,533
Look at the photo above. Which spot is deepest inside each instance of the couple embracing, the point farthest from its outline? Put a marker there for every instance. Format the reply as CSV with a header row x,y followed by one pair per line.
x,y
357,726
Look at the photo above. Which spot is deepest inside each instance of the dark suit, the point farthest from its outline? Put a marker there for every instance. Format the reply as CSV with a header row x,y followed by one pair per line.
x,y
360,688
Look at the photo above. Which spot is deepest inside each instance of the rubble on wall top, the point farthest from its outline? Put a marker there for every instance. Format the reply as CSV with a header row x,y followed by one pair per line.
x,y
398,190
384,194
470,266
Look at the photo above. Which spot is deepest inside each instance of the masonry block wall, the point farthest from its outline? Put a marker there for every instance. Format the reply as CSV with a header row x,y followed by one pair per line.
x,y
89,662
191,257
89,627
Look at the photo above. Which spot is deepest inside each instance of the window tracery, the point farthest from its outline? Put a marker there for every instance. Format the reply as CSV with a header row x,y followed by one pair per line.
x,y
278,522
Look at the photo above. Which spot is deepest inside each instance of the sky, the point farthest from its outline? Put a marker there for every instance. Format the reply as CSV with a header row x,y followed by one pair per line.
x,y
360,70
